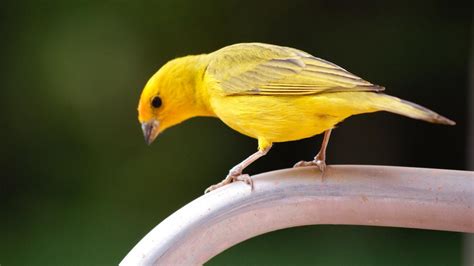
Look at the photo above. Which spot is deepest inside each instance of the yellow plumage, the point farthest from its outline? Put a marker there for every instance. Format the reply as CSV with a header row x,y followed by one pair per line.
x,y
267,92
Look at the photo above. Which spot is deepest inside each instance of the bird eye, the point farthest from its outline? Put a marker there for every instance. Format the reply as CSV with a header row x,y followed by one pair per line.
x,y
156,102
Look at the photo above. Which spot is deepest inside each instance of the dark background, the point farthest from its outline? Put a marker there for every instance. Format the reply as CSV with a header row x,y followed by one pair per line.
x,y
79,186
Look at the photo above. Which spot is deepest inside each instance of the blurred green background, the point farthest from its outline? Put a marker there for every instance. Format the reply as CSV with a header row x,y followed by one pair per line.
x,y
80,187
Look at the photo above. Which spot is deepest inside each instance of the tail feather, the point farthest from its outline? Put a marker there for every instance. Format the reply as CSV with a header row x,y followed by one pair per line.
x,y
398,106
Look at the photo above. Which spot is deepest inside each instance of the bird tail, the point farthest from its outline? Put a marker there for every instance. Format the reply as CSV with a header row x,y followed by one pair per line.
x,y
398,106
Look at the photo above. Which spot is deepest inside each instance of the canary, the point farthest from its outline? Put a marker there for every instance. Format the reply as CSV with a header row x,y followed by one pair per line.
x,y
268,92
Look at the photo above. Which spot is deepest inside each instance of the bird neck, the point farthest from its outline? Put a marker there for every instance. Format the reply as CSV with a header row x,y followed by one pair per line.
x,y
191,71
190,98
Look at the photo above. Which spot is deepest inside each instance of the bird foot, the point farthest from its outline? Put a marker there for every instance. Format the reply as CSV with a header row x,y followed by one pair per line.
x,y
321,164
231,177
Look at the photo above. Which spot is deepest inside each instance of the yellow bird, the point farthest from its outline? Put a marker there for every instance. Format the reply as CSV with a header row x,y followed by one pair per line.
x,y
268,92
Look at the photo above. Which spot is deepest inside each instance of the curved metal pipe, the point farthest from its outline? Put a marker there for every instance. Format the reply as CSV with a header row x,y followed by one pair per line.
x,y
357,195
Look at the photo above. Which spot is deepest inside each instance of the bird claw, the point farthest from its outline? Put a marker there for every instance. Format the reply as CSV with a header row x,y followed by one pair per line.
x,y
318,163
232,177
245,178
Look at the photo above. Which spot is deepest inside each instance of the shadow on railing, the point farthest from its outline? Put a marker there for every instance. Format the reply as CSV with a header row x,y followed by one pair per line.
x,y
348,194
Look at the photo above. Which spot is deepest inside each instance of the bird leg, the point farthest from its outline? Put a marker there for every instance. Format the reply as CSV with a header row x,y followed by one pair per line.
x,y
320,158
235,174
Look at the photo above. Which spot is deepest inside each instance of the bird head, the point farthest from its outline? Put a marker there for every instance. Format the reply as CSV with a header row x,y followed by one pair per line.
x,y
168,97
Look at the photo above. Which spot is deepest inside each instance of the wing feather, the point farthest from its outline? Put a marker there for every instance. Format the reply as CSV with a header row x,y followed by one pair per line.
x,y
262,69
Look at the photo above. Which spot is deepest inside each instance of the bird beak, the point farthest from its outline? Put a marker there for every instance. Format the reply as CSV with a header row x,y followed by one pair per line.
x,y
150,130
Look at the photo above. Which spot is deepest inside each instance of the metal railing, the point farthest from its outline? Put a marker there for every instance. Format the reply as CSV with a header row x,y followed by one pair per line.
x,y
348,194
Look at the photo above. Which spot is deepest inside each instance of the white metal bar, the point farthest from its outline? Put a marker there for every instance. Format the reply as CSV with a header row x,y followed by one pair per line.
x,y
356,195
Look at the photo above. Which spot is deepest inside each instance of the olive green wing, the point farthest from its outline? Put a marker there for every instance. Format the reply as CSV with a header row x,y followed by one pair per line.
x,y
262,69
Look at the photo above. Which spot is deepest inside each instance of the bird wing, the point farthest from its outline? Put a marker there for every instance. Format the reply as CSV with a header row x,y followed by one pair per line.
x,y
263,69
